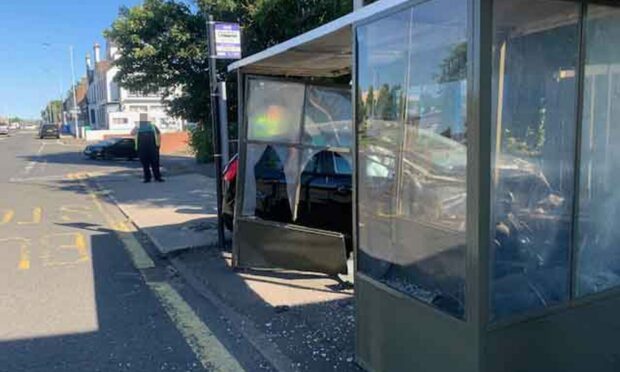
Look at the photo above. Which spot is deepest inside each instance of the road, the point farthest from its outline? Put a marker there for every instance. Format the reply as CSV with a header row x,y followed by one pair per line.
x,y
73,296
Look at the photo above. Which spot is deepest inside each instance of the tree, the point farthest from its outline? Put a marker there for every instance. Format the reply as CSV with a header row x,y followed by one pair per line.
x,y
52,112
163,48
163,45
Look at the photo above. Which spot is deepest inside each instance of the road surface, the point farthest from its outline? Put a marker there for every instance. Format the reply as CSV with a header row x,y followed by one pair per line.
x,y
77,292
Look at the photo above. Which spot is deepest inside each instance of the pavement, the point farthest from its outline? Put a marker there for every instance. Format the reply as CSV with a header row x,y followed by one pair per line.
x,y
251,319
177,214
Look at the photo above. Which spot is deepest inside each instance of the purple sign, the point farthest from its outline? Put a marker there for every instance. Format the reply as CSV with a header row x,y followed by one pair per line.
x,y
227,40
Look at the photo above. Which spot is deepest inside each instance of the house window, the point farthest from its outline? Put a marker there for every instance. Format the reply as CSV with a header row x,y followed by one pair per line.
x,y
138,108
120,121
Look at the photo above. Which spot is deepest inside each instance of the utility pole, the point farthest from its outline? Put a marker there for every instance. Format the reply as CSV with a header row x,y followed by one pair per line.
x,y
75,108
61,96
217,148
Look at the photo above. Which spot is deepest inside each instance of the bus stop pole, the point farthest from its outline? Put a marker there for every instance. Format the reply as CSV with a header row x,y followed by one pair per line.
x,y
223,111
217,148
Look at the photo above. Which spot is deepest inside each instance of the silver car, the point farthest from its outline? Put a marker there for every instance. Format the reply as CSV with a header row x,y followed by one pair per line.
x,y
4,129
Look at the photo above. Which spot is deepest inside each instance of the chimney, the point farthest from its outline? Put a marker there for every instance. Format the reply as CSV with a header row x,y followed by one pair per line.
x,y
97,50
89,65
112,50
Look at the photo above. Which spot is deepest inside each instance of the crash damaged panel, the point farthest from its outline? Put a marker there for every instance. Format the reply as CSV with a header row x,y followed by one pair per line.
x,y
264,244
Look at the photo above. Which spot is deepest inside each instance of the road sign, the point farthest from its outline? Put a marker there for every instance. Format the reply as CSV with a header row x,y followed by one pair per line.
x,y
227,40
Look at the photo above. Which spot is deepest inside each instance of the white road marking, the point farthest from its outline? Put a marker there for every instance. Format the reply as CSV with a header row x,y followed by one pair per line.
x,y
31,164
34,179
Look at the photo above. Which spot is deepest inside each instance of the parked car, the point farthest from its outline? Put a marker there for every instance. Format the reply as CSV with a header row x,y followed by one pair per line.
x,y
229,180
49,130
112,148
325,192
4,129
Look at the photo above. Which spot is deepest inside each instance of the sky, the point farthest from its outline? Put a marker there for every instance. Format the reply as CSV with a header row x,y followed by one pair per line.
x,y
35,36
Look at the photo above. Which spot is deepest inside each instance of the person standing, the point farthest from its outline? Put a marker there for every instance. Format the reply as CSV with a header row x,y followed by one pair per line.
x,y
147,146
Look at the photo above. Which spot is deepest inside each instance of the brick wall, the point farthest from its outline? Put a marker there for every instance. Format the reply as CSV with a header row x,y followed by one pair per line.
x,y
172,143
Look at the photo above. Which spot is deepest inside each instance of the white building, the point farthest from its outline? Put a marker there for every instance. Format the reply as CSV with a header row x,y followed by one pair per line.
x,y
114,108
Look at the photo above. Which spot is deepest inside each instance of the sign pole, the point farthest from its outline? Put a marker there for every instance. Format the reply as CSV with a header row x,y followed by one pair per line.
x,y
223,107
217,146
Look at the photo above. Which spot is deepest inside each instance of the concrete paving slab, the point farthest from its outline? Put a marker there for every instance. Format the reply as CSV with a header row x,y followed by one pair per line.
x,y
178,214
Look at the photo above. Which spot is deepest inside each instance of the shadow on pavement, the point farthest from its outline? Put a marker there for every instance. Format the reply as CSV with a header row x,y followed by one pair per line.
x,y
297,312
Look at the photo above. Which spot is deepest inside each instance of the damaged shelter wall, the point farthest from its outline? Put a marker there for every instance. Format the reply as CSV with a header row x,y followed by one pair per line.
x,y
297,165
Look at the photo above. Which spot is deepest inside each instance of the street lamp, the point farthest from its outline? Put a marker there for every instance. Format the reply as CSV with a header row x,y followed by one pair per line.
x,y
73,82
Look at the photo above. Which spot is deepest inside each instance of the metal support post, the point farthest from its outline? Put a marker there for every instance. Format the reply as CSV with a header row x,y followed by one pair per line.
x,y
217,148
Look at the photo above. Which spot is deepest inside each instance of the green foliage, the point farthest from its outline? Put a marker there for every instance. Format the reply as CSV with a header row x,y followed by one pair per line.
x,y
53,111
268,22
163,47
201,143
387,103
454,67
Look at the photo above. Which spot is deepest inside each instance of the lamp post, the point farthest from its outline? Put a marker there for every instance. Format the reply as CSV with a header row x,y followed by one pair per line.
x,y
75,110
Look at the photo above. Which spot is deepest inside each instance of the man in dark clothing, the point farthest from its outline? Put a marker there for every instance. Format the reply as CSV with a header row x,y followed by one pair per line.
x,y
147,145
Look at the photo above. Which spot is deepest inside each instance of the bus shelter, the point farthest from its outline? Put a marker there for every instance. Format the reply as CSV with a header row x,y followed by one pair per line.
x,y
484,160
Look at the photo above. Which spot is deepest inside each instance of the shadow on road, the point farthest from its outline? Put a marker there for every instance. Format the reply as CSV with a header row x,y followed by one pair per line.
x,y
120,325
174,164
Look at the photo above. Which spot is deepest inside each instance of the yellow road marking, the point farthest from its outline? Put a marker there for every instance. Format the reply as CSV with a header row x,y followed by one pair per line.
x,y
24,259
203,342
7,217
209,350
24,252
139,257
66,212
37,213
78,243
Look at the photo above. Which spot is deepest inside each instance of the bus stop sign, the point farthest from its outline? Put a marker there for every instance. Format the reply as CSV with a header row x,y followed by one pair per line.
x,y
227,40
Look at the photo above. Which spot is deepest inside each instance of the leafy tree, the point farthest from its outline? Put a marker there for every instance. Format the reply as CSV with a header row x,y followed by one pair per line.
x,y
370,102
454,66
163,46
387,105
269,22
52,110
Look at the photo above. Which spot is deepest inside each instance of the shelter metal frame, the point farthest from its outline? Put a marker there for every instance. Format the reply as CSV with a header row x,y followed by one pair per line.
x,y
473,343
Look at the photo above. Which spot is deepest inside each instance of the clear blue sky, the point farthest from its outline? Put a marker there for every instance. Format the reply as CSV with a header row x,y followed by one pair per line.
x,y
30,73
